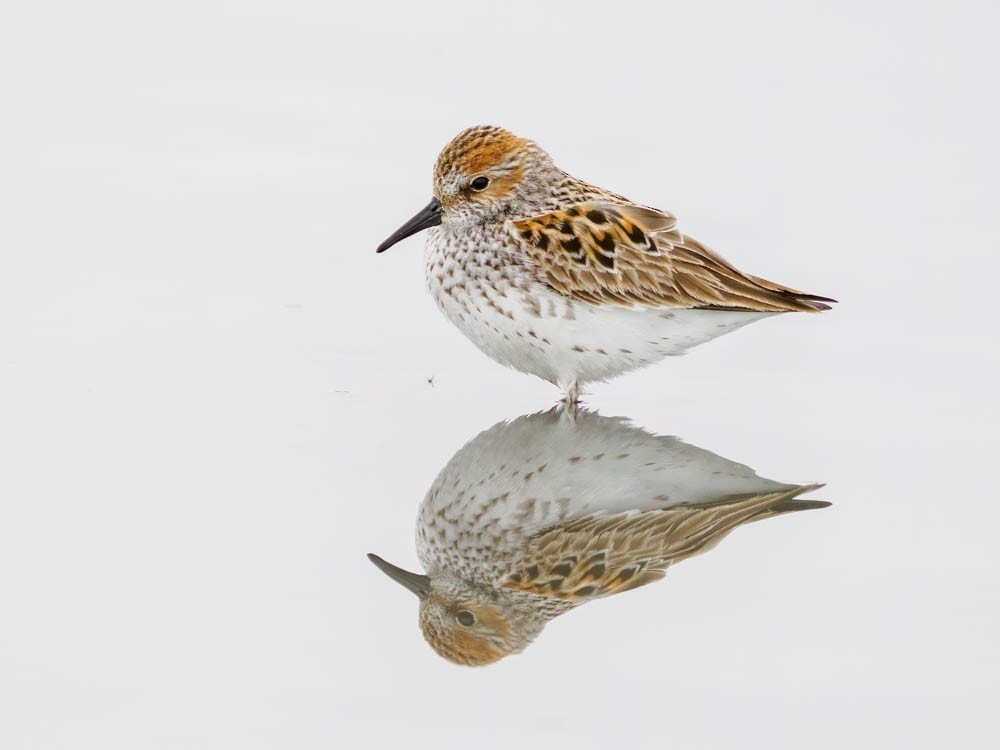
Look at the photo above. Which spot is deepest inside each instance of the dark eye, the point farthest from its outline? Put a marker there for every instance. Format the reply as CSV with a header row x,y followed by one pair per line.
x,y
465,617
480,183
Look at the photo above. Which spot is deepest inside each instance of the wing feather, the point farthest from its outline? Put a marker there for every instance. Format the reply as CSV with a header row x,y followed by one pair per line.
x,y
598,555
627,255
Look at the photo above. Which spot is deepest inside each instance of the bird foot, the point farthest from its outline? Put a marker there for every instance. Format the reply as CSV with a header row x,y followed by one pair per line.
x,y
570,402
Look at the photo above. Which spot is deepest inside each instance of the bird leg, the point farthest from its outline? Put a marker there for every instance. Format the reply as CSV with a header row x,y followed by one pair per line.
x,y
571,396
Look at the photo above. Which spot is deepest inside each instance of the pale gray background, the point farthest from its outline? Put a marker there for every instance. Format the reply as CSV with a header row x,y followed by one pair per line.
x,y
213,395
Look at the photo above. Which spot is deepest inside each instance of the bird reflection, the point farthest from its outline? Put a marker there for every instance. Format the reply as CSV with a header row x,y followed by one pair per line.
x,y
542,514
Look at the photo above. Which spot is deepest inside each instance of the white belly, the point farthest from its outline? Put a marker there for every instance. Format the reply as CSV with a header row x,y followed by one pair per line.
x,y
521,477
521,324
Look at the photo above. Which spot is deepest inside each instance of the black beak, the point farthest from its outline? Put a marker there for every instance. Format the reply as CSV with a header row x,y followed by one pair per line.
x,y
428,216
418,584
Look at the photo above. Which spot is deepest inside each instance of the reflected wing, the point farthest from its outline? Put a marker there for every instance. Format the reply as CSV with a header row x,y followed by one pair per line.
x,y
598,556
609,254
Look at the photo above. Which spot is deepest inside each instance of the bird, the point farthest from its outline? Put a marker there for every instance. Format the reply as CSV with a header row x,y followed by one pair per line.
x,y
567,281
536,516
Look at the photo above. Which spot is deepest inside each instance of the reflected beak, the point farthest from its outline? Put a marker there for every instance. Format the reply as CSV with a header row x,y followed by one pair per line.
x,y
418,584
428,216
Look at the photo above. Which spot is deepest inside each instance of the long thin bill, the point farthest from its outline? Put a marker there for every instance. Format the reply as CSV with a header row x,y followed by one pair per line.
x,y
428,216
418,584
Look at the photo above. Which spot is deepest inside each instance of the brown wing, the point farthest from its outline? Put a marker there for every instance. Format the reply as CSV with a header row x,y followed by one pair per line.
x,y
598,556
609,254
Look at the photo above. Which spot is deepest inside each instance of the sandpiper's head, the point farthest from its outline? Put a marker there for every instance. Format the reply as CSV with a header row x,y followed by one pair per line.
x,y
488,173
466,623
485,174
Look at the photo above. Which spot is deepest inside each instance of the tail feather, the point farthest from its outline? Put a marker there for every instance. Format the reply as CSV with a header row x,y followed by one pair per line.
x,y
808,302
790,502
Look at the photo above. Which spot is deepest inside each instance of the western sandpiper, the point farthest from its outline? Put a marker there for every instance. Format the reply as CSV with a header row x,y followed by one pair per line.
x,y
537,516
567,281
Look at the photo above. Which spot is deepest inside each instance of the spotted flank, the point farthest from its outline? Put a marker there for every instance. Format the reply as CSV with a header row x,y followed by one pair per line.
x,y
628,255
600,555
